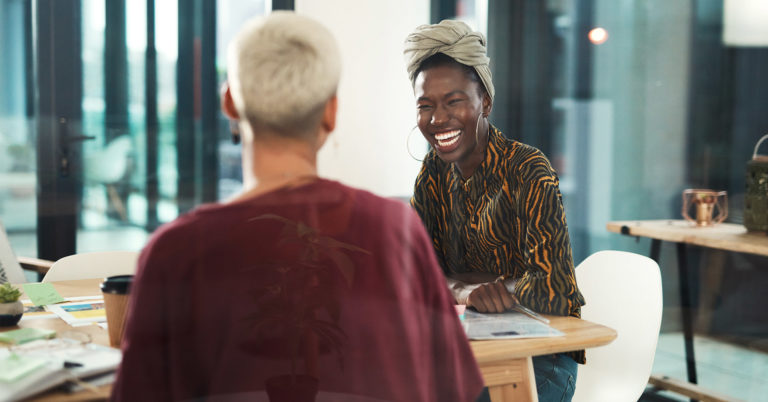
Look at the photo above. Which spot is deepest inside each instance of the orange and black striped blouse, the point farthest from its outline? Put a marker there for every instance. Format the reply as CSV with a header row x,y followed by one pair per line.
x,y
507,218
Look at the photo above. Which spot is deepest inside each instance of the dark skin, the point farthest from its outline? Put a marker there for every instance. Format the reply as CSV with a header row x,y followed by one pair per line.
x,y
447,102
452,116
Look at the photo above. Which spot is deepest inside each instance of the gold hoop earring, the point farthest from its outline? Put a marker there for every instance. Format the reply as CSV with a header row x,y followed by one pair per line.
x,y
234,128
477,126
408,146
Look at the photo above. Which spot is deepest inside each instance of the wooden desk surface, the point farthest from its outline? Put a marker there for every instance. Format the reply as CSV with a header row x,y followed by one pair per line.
x,y
579,334
724,236
84,287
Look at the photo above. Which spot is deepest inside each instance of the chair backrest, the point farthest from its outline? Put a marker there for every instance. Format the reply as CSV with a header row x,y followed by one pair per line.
x,y
93,265
622,291
109,164
10,270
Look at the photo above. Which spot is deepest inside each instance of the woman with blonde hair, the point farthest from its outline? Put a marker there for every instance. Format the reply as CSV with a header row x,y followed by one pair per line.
x,y
300,285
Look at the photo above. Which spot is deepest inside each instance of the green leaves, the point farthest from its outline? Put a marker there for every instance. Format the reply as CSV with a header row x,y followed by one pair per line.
x,y
9,293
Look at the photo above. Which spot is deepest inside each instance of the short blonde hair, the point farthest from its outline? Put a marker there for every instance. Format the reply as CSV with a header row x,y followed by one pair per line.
x,y
283,68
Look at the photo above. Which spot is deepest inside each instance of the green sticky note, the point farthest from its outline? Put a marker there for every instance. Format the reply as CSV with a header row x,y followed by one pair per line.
x,y
42,294
24,335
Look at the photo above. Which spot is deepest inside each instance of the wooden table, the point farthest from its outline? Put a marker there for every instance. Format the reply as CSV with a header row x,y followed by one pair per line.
x,y
721,237
507,367
505,364
84,287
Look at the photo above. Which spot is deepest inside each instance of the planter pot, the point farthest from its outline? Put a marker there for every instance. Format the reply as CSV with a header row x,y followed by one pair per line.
x,y
287,388
10,313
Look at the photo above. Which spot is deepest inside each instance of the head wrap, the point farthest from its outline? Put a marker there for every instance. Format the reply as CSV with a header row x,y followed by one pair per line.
x,y
456,40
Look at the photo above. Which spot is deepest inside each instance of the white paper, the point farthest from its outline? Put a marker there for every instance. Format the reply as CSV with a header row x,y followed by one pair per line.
x,y
80,312
94,359
509,325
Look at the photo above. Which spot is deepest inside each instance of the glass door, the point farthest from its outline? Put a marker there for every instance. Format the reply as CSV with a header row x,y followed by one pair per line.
x,y
109,121
18,150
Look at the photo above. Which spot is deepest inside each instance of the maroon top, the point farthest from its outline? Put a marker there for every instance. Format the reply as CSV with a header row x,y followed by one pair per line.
x,y
321,279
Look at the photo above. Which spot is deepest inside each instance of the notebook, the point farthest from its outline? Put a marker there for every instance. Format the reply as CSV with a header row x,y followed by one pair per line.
x,y
40,365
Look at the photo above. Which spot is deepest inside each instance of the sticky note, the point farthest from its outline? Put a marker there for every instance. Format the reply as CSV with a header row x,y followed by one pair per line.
x,y
24,335
42,293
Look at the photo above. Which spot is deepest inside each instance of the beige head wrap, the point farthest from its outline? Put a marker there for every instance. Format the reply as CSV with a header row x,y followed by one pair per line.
x,y
455,39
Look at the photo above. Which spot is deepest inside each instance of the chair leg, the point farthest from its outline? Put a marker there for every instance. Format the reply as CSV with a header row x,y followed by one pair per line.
x,y
114,197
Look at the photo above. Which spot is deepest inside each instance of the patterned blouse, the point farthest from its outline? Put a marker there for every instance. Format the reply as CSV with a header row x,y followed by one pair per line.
x,y
507,218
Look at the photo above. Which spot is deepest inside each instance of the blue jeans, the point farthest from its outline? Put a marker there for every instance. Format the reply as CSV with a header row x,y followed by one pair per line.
x,y
555,379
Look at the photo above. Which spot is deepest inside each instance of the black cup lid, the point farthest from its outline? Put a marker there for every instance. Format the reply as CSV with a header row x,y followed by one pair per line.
x,y
119,284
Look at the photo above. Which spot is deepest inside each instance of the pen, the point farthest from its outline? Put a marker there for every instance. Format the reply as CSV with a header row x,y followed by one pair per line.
x,y
531,313
519,307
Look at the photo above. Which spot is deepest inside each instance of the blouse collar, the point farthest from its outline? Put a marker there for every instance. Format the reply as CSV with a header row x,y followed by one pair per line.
x,y
476,183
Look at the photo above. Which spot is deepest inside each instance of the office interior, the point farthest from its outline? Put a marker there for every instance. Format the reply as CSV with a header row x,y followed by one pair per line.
x,y
110,126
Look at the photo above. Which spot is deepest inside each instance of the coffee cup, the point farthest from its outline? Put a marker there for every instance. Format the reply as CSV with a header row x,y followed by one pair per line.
x,y
116,290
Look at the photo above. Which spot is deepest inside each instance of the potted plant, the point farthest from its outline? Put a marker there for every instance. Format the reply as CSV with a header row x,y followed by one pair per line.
x,y
11,308
297,308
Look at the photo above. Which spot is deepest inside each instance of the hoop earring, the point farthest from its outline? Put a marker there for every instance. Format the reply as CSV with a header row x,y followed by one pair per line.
x,y
408,146
234,128
477,126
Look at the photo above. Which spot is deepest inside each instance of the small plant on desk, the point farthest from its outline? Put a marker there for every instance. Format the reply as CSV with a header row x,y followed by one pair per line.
x,y
11,308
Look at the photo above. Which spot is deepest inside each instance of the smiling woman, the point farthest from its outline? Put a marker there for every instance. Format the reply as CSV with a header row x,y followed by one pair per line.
x,y
451,105
492,205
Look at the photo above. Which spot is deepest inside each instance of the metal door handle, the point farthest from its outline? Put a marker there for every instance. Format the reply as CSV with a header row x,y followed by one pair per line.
x,y
65,140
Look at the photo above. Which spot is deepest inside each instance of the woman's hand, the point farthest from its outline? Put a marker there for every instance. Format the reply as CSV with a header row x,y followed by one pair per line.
x,y
491,297
485,292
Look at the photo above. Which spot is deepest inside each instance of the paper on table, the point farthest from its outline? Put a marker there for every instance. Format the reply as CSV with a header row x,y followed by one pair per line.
x,y
32,312
81,313
509,325
13,367
42,294
91,359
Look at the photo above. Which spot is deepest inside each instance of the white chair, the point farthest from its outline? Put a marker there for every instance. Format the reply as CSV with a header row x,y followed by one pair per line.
x,y
109,167
10,270
622,291
100,264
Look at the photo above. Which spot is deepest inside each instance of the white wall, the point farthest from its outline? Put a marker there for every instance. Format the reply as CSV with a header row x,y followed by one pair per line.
x,y
376,105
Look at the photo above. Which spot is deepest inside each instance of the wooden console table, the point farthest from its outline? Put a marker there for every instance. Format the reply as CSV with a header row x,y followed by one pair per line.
x,y
724,237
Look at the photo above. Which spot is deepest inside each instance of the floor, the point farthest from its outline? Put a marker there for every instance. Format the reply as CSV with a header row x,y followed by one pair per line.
x,y
727,368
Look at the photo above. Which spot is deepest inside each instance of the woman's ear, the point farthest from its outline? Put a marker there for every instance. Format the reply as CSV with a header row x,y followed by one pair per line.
x,y
487,104
329,114
227,103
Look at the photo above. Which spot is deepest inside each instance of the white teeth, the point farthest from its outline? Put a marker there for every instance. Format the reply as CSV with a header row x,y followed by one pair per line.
x,y
449,142
448,135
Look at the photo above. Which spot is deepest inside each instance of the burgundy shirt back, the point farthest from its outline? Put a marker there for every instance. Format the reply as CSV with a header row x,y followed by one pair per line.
x,y
225,293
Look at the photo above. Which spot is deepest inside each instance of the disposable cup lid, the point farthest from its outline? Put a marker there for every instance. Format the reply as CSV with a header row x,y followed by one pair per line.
x,y
120,284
